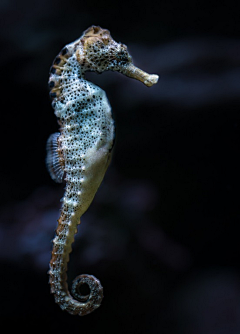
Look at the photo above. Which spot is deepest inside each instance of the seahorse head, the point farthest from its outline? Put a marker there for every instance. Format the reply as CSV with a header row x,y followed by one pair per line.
x,y
99,52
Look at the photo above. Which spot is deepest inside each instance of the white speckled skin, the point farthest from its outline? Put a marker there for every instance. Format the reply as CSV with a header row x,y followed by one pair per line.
x,y
82,149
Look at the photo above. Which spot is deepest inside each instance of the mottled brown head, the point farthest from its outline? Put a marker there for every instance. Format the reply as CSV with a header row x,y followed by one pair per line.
x,y
99,53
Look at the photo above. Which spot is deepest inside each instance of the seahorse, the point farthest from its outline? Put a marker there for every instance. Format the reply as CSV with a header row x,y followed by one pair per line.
x,y
81,152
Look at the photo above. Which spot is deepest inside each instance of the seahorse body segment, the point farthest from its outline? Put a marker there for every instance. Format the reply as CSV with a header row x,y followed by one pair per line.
x,y
82,149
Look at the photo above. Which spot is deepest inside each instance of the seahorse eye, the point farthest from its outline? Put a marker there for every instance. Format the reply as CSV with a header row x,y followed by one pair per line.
x,y
123,56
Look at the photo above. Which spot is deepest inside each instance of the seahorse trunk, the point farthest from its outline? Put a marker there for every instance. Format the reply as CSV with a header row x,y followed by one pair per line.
x,y
62,247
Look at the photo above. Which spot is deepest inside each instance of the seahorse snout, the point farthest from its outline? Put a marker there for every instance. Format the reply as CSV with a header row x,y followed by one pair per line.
x,y
134,72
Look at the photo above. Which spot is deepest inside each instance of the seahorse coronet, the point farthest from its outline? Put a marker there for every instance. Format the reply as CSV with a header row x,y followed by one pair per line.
x,y
81,152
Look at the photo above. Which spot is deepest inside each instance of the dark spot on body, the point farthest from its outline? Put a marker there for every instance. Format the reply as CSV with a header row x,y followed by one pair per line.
x,y
53,70
53,95
64,51
57,60
51,84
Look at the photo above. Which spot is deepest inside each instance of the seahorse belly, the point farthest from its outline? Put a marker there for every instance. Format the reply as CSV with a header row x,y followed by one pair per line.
x,y
80,191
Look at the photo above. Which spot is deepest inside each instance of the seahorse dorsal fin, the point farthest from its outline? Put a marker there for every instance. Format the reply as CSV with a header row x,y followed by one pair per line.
x,y
54,159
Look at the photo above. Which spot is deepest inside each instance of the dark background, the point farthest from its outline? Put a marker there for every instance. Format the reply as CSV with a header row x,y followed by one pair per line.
x,y
162,232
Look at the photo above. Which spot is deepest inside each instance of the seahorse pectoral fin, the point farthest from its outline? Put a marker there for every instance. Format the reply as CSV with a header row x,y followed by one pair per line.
x,y
54,158
134,72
